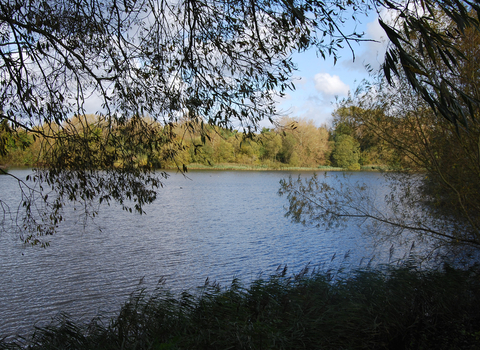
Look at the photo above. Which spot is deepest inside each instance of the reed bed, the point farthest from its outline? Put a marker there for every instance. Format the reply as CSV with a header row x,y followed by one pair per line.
x,y
389,308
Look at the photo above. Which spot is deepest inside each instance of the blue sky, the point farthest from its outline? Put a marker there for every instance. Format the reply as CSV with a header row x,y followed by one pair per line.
x,y
318,81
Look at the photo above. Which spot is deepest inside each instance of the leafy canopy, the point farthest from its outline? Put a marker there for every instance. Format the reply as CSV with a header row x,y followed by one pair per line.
x,y
145,65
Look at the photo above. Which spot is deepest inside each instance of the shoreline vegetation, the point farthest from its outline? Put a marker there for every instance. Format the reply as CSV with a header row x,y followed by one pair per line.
x,y
394,307
245,167
280,167
295,144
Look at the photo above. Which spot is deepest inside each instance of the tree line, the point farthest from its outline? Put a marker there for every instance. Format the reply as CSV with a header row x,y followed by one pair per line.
x,y
214,66
293,142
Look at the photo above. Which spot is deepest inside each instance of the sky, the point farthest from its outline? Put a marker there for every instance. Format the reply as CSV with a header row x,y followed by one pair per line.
x,y
318,81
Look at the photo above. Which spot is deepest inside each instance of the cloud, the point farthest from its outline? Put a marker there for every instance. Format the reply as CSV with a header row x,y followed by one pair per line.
x,y
375,51
330,85
308,104
371,52
313,109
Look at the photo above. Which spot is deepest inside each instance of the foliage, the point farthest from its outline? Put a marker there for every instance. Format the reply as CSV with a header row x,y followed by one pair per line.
x,y
435,194
346,152
303,145
348,120
424,50
145,66
401,307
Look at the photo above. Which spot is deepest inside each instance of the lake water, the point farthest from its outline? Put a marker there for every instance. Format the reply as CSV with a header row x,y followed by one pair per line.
x,y
218,225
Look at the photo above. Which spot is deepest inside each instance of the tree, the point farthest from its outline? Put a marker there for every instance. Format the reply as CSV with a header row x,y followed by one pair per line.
x,y
302,143
346,152
436,194
429,139
422,46
271,143
146,64
350,119
312,145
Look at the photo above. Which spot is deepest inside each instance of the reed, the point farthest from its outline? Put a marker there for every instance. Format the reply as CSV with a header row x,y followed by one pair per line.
x,y
392,308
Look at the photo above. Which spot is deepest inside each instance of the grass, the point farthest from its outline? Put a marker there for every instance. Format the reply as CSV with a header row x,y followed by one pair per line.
x,y
279,166
392,308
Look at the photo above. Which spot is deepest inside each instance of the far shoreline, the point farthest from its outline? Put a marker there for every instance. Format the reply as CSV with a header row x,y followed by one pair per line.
x,y
246,167
237,167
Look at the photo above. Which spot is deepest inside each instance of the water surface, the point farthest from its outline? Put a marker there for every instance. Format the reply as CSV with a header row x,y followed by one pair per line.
x,y
212,224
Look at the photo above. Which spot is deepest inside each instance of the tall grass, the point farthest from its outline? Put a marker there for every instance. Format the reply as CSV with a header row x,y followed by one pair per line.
x,y
392,308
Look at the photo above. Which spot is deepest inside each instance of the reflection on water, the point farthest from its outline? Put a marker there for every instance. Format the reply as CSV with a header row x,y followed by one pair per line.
x,y
213,224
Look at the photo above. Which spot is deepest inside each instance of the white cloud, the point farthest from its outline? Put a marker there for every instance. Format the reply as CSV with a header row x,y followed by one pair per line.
x,y
330,85
313,108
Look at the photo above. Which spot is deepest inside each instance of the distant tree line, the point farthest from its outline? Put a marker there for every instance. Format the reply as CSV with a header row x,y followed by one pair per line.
x,y
293,142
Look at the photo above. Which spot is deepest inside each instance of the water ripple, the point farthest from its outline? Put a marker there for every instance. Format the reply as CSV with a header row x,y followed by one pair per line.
x,y
216,225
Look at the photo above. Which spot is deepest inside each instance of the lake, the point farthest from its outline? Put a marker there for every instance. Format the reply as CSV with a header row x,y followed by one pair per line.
x,y
211,224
